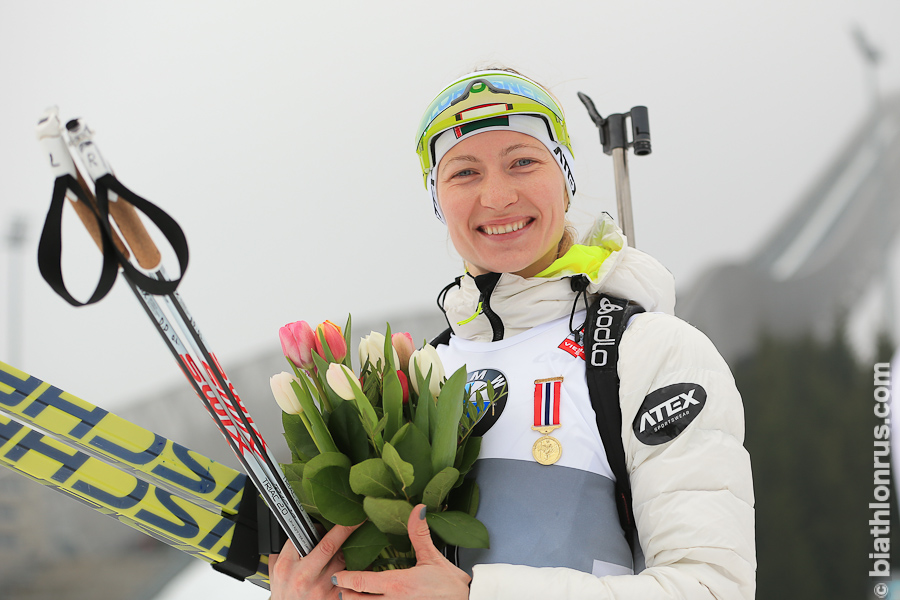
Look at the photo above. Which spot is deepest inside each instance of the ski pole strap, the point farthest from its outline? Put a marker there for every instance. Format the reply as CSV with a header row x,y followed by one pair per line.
x,y
606,321
50,246
167,226
255,533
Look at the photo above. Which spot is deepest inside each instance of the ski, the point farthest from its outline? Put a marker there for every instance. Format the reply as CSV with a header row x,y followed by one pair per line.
x,y
159,488
100,433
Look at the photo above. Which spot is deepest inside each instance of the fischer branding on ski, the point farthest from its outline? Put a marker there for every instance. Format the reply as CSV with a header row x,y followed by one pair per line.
x,y
111,438
121,477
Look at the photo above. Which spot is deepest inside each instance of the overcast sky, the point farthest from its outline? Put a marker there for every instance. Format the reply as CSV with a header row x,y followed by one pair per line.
x,y
280,136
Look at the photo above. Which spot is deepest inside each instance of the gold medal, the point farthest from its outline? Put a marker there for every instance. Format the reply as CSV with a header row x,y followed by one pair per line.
x,y
547,396
546,450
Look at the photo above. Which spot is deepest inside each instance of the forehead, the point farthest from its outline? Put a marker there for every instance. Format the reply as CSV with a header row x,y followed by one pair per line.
x,y
490,144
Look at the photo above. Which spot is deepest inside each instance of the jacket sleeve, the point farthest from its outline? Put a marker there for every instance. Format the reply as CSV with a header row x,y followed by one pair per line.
x,y
692,495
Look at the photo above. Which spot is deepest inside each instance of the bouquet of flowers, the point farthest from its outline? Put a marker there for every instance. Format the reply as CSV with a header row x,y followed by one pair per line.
x,y
368,448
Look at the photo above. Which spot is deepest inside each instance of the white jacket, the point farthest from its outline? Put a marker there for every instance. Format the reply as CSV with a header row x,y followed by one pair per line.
x,y
693,495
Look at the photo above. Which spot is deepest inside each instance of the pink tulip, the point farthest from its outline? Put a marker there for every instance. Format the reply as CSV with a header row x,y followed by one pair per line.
x,y
403,344
334,338
297,342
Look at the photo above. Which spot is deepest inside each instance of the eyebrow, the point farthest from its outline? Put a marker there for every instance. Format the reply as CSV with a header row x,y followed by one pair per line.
x,y
506,151
510,149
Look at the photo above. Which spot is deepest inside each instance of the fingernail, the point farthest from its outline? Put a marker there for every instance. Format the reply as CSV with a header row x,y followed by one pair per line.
x,y
334,580
422,513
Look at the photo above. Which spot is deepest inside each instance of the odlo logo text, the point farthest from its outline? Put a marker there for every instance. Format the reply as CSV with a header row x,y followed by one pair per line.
x,y
666,412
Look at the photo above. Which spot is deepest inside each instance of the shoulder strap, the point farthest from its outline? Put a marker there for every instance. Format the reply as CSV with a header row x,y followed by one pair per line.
x,y
442,338
606,321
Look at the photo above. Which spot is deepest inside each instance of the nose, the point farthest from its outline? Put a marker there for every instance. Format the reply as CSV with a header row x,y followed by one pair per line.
x,y
498,192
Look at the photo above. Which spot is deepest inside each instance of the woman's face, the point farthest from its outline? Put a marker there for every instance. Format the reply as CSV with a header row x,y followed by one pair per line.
x,y
503,197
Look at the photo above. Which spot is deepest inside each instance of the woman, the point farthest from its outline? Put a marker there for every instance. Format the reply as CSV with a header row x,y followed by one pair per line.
x,y
498,167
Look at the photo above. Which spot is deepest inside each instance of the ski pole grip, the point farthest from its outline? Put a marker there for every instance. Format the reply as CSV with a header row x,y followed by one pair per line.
x,y
123,213
49,134
132,228
89,219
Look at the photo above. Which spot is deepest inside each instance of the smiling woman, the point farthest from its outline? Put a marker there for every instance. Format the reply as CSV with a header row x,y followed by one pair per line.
x,y
645,495
504,202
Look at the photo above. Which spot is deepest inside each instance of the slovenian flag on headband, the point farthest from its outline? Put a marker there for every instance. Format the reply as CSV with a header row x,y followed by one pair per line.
x,y
547,396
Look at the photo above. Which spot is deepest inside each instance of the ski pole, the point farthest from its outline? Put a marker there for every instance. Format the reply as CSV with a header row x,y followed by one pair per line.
x,y
614,138
264,473
214,376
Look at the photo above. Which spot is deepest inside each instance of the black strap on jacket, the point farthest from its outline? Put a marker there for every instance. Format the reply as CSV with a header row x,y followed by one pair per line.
x,y
604,326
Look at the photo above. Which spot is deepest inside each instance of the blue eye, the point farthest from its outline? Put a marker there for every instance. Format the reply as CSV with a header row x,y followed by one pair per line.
x,y
463,173
524,162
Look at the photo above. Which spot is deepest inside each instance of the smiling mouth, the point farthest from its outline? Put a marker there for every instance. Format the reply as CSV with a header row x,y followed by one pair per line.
x,y
507,228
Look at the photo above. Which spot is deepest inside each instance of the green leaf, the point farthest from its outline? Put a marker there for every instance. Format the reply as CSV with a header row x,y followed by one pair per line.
x,y
363,546
297,437
413,447
449,410
388,351
438,488
467,455
363,405
293,471
424,404
392,401
459,529
332,495
402,471
325,460
318,430
348,433
389,516
347,360
373,478
305,502
400,543
465,498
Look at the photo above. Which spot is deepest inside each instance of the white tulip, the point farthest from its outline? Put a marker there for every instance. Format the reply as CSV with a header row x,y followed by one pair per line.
x,y
336,376
371,347
284,393
427,358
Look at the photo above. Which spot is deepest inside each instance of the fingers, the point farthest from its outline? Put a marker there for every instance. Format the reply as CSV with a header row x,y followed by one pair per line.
x,y
420,536
327,547
361,581
288,551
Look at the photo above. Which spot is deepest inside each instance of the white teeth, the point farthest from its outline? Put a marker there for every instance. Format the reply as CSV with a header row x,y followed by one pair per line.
x,y
508,228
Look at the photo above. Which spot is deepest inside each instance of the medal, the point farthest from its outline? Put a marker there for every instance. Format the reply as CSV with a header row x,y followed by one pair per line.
x,y
547,396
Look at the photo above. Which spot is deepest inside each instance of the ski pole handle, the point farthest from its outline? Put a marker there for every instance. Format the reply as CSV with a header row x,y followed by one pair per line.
x,y
49,134
123,213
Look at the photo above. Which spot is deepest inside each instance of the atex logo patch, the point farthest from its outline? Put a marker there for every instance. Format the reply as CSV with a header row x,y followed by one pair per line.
x,y
666,412
477,381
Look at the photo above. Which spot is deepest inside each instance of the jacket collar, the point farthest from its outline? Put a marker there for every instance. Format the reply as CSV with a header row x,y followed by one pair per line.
x,y
497,306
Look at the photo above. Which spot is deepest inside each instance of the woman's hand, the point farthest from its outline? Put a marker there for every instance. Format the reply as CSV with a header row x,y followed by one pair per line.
x,y
433,576
310,577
